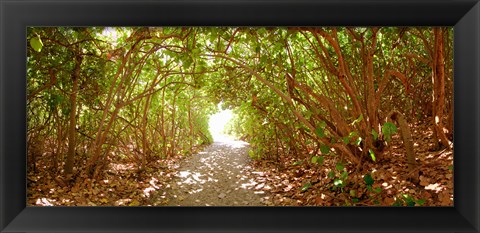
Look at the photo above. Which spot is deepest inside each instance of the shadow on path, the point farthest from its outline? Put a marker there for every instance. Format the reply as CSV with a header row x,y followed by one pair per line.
x,y
218,176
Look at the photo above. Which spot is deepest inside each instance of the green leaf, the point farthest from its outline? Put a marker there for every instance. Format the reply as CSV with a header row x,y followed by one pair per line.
x,y
397,203
320,160
36,43
377,190
196,51
263,58
358,141
308,114
66,111
324,149
338,182
297,163
262,31
134,203
368,179
375,134
314,159
360,118
407,198
450,168
372,155
339,166
306,186
344,175
332,140
320,132
355,200
410,203
331,174
353,193
352,134
388,129
323,124
420,202
187,62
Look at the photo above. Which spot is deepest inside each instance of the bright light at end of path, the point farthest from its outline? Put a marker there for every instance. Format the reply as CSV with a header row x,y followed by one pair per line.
x,y
217,124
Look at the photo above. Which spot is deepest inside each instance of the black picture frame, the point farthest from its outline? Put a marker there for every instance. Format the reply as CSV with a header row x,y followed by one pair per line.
x,y
16,15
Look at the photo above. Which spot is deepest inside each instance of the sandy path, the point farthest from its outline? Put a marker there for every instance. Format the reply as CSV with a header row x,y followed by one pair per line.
x,y
218,176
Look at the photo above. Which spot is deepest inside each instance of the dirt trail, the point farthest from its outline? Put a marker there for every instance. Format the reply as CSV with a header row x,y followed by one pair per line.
x,y
218,176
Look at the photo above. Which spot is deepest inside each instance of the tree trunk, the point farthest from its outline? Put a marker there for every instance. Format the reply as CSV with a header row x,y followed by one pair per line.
x,y
145,147
439,89
173,129
101,131
73,115
58,151
450,120
190,124
372,109
407,142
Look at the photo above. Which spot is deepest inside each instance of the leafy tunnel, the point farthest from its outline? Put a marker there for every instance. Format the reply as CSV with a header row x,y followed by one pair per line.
x,y
99,95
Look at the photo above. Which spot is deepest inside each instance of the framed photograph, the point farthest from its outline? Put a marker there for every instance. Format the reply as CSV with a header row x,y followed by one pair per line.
x,y
353,109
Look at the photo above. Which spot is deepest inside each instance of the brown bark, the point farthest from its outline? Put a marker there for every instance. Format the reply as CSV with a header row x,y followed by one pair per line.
x,y
342,72
407,142
59,142
450,120
372,107
173,129
145,144
100,134
439,87
341,126
73,115
117,96
163,131
145,147
346,79
190,124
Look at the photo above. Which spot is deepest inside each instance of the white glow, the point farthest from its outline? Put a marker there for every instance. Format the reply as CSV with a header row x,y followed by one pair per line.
x,y
217,124
110,33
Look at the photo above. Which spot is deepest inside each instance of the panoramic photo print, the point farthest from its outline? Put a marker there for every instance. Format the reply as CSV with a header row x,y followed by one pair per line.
x,y
240,116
